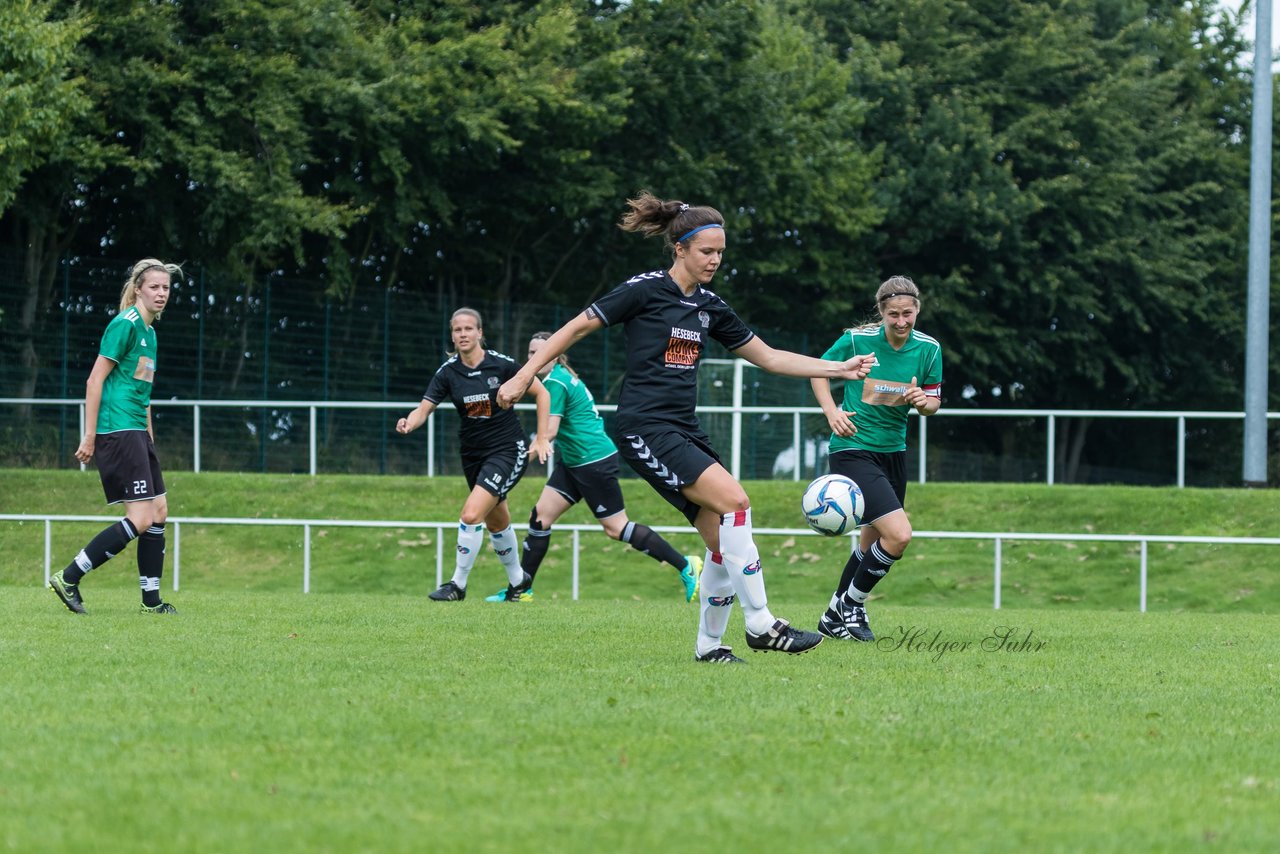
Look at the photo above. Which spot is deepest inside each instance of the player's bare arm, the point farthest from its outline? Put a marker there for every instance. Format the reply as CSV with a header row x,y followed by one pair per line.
x,y
841,422
541,445
92,404
788,364
564,338
415,418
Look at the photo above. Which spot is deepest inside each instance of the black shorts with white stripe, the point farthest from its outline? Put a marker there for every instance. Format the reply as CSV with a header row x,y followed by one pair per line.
x,y
594,483
669,459
497,472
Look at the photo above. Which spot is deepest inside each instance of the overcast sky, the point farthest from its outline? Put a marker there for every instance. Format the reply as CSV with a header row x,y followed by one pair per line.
x,y
1248,29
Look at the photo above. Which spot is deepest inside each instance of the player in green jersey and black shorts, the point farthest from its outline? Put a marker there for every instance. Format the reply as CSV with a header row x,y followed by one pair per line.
x,y
118,435
587,471
869,442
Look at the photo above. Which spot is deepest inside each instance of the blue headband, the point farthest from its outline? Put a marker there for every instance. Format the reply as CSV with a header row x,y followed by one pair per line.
x,y
699,228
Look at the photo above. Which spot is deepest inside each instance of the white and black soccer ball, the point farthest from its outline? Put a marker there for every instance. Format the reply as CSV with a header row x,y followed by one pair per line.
x,y
832,505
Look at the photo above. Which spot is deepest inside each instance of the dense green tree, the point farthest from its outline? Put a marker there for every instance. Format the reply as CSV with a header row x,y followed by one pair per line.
x,y
1067,179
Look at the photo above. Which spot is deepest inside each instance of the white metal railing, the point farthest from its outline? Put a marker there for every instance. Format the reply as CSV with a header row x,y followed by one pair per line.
x,y
999,538
737,410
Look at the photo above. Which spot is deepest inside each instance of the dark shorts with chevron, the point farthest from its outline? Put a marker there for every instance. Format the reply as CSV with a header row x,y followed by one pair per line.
x,y
497,472
595,484
669,459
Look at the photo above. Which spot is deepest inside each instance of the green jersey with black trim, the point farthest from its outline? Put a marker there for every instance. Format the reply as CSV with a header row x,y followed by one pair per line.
x,y
581,438
877,403
131,344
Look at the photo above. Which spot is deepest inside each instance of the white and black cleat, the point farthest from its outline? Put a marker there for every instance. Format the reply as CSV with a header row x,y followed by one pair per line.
x,y
781,637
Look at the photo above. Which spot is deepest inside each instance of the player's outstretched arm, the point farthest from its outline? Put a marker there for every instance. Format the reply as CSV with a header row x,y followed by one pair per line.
x,y
564,338
788,364
415,418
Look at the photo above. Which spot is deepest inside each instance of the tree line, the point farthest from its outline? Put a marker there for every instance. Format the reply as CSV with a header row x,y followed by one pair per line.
x,y
1067,180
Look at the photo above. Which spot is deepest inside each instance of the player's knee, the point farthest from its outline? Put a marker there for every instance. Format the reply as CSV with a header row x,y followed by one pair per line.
x,y
612,529
739,502
897,542
470,517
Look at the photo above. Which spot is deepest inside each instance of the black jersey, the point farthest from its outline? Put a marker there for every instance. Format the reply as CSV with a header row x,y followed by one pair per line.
x,y
666,336
484,426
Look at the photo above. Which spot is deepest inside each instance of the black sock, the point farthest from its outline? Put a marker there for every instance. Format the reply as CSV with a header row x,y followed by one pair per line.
x,y
536,543
645,540
151,564
109,543
876,563
850,569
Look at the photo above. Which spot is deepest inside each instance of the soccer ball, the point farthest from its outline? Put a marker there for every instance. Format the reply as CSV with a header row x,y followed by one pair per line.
x,y
832,505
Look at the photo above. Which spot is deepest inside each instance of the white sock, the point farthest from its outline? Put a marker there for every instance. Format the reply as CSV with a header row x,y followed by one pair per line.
x,y
469,540
716,595
742,562
504,544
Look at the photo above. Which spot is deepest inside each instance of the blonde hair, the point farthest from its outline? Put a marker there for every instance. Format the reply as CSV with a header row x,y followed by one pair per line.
x,y
129,293
562,359
479,325
894,286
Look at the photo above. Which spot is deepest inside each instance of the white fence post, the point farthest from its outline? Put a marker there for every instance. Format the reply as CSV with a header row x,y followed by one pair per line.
x,y
1048,454
439,556
1182,452
312,415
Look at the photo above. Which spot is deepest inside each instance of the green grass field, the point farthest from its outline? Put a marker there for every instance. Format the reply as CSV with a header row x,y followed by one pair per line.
x,y
364,717
281,722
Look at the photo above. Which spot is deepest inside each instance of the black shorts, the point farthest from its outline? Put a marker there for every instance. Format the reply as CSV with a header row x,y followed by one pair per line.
x,y
881,477
496,472
669,459
128,466
596,483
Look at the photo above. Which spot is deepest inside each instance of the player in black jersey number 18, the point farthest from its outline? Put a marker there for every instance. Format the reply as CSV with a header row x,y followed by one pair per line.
x,y
493,444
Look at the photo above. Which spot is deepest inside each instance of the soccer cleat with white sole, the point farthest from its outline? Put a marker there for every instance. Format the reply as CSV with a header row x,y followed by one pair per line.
x,y
832,625
781,637
448,592
720,655
855,622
